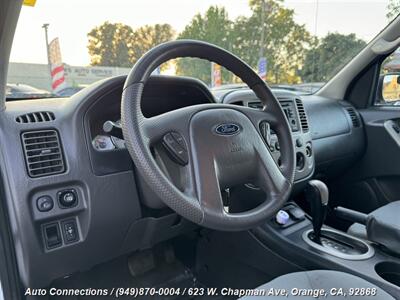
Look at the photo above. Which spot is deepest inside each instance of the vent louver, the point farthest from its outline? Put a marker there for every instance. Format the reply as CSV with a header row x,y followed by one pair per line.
x,y
36,117
256,105
43,153
353,116
302,115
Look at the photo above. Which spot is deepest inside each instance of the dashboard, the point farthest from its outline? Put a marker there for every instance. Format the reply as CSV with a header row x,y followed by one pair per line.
x,y
74,196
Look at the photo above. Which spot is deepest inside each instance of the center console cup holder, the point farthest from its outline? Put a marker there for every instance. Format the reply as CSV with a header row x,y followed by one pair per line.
x,y
389,271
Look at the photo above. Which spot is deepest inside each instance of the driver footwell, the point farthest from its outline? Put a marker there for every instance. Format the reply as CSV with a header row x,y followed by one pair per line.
x,y
156,268
198,261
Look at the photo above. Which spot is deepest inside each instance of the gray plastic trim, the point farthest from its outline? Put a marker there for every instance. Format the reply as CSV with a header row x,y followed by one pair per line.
x,y
389,128
382,46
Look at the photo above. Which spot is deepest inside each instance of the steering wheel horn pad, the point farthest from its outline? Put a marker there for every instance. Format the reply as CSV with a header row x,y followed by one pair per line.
x,y
224,144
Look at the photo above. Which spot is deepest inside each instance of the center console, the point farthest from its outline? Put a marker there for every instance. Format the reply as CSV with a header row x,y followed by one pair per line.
x,y
316,246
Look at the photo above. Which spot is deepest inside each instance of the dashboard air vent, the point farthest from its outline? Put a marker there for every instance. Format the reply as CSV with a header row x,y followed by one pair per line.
x,y
353,116
36,117
302,115
43,153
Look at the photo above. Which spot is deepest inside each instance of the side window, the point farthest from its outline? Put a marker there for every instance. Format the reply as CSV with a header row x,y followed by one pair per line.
x,y
389,80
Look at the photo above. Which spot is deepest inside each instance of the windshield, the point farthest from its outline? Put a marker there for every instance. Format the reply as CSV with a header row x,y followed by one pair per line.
x,y
60,47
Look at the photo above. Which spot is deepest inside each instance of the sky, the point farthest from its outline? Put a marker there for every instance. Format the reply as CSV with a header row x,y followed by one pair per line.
x,y
71,20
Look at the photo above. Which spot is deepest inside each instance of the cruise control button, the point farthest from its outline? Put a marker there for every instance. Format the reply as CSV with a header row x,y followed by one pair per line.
x,y
67,198
179,139
44,203
176,147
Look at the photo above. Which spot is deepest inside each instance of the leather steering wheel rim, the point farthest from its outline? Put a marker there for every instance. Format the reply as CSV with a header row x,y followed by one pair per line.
x,y
215,161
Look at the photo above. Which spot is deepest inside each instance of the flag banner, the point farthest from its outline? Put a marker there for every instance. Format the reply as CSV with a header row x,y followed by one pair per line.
x,y
262,68
216,71
55,52
57,66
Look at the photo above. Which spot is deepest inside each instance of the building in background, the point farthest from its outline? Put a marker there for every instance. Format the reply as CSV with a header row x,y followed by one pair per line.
x,y
37,75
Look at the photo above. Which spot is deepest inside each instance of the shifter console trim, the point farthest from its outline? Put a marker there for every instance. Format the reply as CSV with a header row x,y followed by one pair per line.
x,y
331,232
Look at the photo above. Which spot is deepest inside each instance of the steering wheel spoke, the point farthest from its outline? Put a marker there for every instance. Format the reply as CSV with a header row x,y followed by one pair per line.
x,y
208,190
270,177
155,128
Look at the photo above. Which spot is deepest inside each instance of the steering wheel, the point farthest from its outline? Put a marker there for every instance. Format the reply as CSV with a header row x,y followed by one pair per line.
x,y
218,146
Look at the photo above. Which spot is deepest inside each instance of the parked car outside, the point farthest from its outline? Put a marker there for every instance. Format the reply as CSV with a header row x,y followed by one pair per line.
x,y
24,91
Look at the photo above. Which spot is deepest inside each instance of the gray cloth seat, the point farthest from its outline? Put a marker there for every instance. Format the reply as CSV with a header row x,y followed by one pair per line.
x,y
310,281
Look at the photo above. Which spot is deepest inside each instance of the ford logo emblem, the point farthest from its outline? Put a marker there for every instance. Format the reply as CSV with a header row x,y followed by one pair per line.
x,y
227,129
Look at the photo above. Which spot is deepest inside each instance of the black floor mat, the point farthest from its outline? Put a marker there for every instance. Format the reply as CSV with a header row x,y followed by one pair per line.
x,y
116,274
195,264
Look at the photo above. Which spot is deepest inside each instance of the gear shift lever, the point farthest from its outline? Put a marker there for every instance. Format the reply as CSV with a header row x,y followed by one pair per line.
x,y
317,194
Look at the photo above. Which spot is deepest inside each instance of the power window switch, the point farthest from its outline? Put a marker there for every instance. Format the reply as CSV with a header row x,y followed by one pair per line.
x,y
70,231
